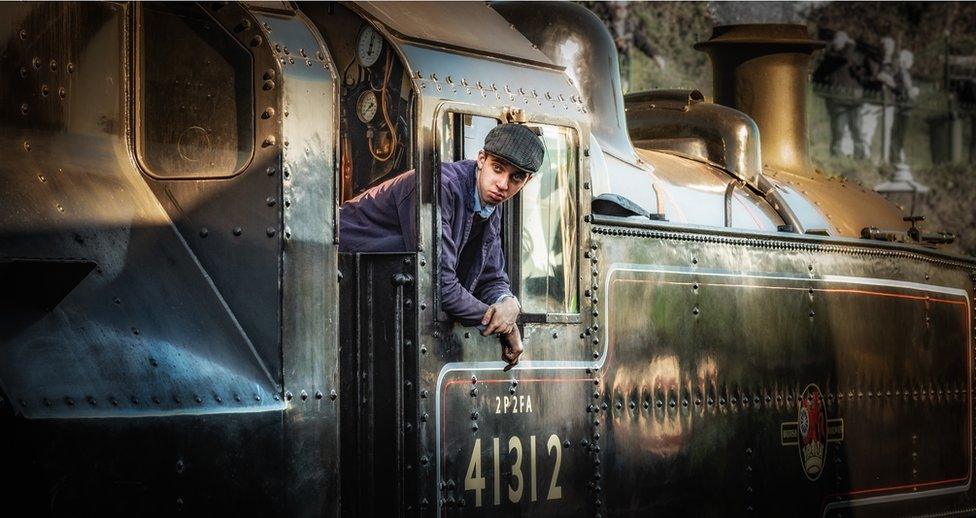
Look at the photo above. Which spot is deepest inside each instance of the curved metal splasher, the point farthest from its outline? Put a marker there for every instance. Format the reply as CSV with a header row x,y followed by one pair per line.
x,y
679,121
573,37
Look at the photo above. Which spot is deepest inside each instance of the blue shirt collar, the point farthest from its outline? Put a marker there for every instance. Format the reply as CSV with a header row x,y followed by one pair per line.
x,y
483,211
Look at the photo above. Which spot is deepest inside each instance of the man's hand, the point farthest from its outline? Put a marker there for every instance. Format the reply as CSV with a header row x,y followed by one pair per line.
x,y
500,317
511,348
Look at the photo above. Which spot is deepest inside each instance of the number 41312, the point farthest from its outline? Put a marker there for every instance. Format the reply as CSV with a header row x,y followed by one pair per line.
x,y
474,481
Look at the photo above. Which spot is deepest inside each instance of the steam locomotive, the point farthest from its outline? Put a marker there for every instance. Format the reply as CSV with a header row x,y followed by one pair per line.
x,y
712,327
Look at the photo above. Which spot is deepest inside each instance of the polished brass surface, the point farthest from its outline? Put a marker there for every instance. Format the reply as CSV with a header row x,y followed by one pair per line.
x,y
761,69
695,192
680,122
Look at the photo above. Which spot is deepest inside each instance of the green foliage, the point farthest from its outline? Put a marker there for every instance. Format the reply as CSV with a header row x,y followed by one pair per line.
x,y
673,27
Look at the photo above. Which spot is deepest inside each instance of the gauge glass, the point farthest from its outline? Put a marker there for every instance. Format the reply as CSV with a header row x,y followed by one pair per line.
x,y
366,106
369,46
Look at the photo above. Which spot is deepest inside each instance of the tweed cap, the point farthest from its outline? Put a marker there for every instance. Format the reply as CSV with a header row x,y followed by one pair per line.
x,y
517,144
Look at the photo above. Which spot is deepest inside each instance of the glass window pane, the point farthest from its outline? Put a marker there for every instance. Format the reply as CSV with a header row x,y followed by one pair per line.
x,y
549,229
195,84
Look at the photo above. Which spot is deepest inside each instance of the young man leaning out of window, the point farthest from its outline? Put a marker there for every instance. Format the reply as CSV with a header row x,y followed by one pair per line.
x,y
475,289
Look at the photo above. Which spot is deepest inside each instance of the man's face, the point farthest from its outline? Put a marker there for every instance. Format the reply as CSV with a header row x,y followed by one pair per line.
x,y
498,180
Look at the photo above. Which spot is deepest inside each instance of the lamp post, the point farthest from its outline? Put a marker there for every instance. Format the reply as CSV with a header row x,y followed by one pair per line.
x,y
902,185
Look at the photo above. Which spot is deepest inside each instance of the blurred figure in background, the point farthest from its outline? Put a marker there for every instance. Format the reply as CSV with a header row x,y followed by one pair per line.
x,y
839,72
967,97
905,94
879,73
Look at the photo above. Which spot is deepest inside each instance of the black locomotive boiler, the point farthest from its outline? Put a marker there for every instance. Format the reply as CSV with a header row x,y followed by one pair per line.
x,y
712,327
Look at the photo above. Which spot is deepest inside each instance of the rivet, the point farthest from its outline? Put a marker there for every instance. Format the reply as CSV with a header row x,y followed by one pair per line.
x,y
36,63
257,40
62,93
304,395
268,113
198,399
269,141
333,395
268,84
23,34
23,71
71,68
424,417
45,90
204,232
24,108
271,231
238,231
54,65
288,395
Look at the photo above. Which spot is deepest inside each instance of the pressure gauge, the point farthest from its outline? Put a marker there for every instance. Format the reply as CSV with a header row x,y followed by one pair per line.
x,y
369,46
366,106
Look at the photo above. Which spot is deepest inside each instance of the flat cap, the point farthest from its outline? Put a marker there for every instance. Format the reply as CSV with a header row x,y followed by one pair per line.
x,y
517,144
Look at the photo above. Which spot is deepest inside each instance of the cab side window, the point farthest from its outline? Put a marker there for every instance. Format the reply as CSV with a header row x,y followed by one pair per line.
x,y
548,213
541,233
195,95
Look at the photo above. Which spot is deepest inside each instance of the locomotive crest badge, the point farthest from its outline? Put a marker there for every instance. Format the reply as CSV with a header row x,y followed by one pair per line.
x,y
812,431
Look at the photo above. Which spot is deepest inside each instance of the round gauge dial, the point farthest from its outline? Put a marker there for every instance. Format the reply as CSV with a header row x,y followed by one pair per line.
x,y
366,106
369,46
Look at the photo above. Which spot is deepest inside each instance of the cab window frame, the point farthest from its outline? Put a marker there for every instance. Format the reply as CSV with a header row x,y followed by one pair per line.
x,y
448,138
140,120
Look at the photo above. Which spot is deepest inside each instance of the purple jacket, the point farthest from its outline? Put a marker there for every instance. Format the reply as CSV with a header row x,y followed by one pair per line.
x,y
382,219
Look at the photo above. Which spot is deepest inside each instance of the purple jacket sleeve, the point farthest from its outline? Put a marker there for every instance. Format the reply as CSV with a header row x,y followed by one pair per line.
x,y
456,301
